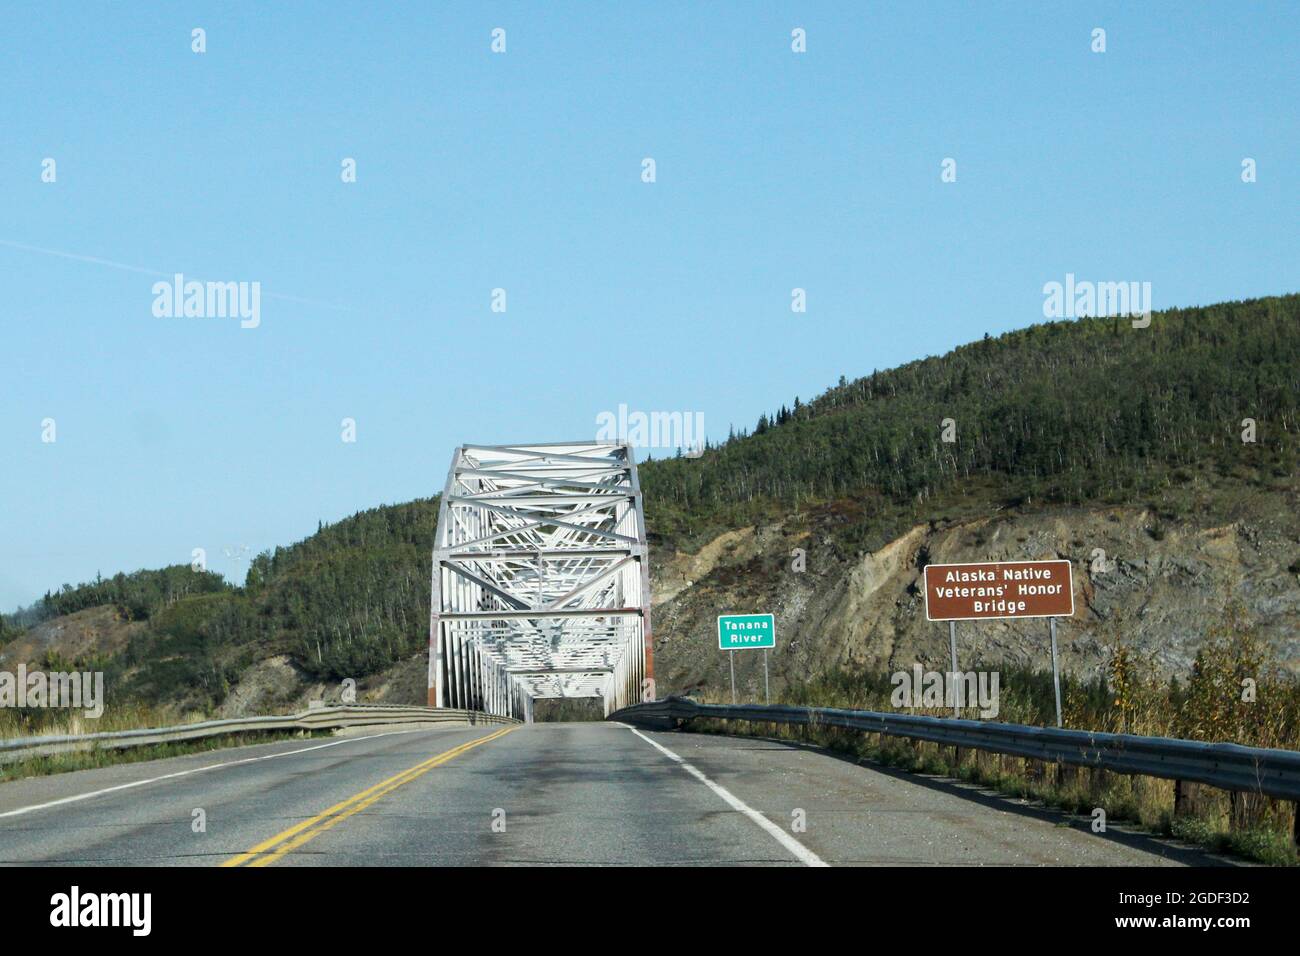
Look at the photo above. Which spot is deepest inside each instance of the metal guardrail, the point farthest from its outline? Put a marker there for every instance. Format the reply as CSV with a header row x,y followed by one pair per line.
x,y
316,718
1275,773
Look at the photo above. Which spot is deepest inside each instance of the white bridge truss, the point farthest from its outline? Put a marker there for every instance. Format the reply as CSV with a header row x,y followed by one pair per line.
x,y
541,579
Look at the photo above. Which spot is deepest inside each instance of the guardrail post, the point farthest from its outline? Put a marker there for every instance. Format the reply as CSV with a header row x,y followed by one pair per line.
x,y
1035,770
1096,782
1248,808
1065,774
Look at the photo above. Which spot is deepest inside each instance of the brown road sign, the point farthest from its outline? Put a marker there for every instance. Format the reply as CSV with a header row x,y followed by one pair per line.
x,y
997,589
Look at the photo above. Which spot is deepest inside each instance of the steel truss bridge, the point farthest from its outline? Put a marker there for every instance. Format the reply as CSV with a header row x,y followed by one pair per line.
x,y
541,579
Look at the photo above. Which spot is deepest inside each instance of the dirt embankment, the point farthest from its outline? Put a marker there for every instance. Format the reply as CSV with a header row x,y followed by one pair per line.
x,y
97,632
1158,585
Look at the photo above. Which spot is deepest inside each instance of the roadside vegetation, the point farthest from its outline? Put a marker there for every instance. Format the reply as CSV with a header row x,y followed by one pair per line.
x,y
1235,694
127,715
52,721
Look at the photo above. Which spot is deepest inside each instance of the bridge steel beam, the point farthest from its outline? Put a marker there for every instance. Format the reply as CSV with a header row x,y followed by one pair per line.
x,y
541,579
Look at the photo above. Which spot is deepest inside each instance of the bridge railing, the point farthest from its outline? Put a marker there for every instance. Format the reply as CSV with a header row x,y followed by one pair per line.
x,y
315,718
1275,773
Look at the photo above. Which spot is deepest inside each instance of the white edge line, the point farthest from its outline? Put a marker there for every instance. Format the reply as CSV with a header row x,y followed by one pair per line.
x,y
801,852
76,798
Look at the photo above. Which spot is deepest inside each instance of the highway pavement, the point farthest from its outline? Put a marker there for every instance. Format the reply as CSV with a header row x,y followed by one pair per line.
x,y
542,794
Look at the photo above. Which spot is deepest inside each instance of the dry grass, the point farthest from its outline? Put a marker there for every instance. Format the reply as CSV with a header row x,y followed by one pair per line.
x,y
38,722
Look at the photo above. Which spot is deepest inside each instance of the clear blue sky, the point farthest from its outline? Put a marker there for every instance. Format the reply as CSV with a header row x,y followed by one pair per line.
x,y
522,171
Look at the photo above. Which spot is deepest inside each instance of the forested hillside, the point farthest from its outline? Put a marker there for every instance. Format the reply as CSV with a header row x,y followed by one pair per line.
x,y
136,596
1066,413
1070,412
347,601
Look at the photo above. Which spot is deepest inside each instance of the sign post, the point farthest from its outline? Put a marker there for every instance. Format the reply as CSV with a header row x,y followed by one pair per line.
x,y
739,632
1056,674
1000,590
952,642
767,691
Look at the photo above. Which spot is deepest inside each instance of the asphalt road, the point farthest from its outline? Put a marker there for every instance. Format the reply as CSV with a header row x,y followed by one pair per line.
x,y
535,795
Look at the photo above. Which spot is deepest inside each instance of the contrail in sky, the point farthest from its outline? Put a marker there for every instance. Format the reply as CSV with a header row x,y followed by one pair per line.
x,y
95,260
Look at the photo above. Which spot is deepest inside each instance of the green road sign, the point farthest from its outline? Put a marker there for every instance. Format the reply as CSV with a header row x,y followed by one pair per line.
x,y
742,632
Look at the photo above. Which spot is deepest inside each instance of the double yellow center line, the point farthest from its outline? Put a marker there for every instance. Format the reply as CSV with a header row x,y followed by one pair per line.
x,y
271,850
